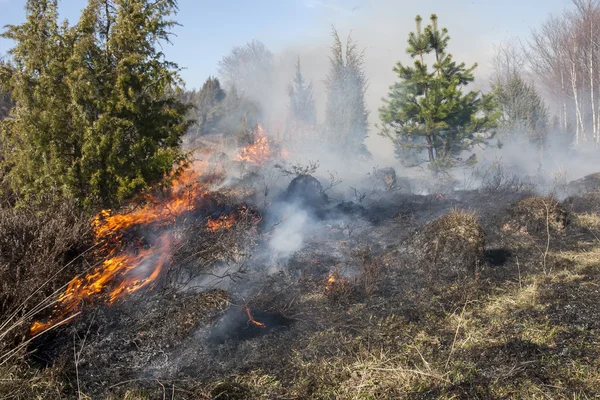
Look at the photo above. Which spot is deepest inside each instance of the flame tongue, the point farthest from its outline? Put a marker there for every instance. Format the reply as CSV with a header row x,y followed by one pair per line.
x,y
252,320
113,279
260,152
124,272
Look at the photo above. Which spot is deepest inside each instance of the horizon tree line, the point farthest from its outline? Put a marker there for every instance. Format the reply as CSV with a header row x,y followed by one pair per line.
x,y
119,114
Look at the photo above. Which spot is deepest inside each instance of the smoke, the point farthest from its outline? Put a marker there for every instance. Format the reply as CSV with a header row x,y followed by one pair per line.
x,y
381,31
288,236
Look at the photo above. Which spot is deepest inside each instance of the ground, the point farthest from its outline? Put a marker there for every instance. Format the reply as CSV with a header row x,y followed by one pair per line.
x,y
354,315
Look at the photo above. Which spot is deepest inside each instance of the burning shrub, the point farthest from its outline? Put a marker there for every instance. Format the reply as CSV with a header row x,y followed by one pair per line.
x,y
337,288
535,214
450,246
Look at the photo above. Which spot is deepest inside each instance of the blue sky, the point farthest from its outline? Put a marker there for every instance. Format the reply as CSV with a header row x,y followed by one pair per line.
x,y
210,28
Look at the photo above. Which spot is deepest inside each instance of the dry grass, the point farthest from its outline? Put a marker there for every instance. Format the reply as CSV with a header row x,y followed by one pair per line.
x,y
588,220
536,214
452,245
518,334
17,381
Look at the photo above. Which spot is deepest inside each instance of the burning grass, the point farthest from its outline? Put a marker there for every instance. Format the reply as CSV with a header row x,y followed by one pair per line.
x,y
346,317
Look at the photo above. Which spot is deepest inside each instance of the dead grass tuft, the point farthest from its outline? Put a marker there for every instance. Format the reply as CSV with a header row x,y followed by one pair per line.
x,y
450,246
535,214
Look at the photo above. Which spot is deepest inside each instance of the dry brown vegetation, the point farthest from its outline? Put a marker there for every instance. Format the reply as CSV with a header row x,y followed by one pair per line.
x,y
39,252
451,246
535,214
523,329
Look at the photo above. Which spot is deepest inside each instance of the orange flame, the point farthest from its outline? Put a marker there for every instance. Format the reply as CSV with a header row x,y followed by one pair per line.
x,y
222,222
113,279
257,153
252,320
260,152
333,280
123,273
185,191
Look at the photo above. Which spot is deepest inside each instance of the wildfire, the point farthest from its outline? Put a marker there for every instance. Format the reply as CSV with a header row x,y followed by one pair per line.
x,y
185,191
334,280
223,222
260,152
116,277
257,153
330,282
252,320
126,271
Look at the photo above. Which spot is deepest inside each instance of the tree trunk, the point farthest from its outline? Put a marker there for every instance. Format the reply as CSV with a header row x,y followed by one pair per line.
x,y
564,90
579,133
592,103
430,148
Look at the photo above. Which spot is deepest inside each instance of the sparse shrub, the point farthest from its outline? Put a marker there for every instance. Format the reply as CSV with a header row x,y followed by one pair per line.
x,y
535,214
338,288
385,178
34,247
370,271
498,180
450,246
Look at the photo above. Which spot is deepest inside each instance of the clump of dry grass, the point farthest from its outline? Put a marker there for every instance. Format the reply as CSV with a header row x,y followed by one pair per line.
x,y
17,381
370,271
339,287
450,246
37,247
588,220
38,250
537,214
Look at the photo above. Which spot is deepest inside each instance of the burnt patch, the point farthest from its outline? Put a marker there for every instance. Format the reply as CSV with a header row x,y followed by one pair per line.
x,y
240,323
497,257
45,350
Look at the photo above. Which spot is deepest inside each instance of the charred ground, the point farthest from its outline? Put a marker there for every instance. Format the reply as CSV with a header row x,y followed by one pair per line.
x,y
489,293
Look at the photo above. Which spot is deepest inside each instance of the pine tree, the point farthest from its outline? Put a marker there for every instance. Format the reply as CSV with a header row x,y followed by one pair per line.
x,y
97,116
39,141
346,118
208,110
523,110
427,109
302,104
